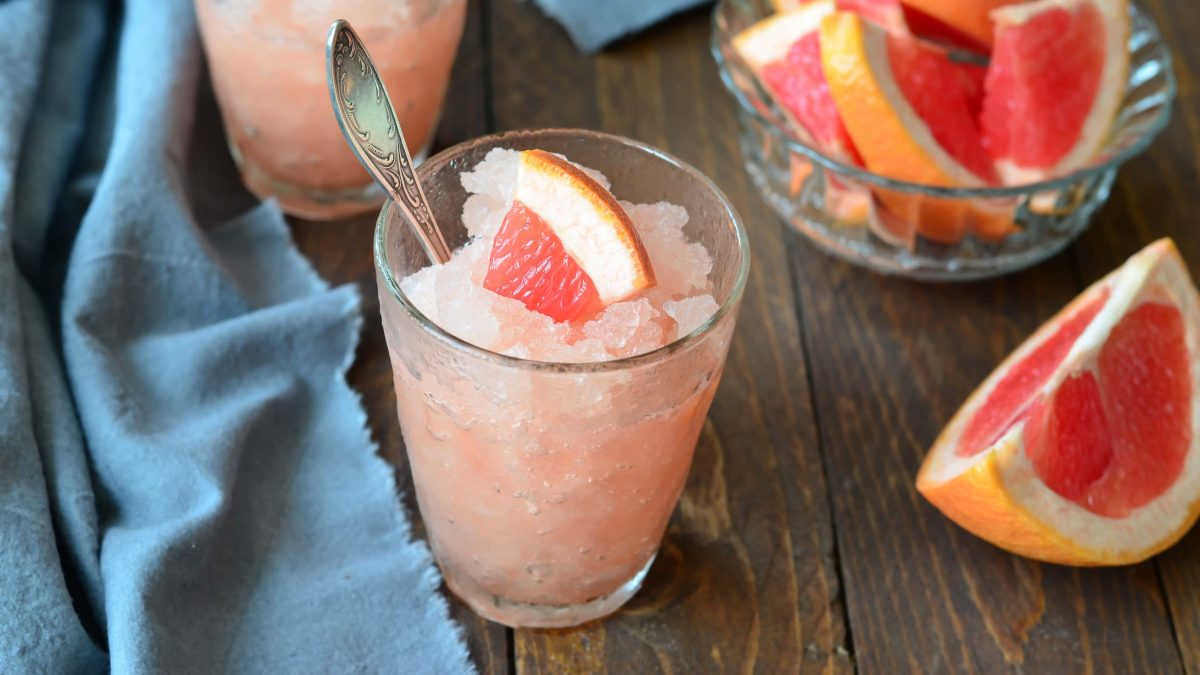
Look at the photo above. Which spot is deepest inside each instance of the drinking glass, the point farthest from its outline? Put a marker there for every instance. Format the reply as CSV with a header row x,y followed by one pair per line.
x,y
267,61
546,487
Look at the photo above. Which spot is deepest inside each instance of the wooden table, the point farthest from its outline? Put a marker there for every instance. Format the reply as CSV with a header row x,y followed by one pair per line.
x,y
800,544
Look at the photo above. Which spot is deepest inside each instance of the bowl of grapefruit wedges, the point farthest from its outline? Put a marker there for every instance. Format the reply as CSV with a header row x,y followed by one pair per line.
x,y
941,139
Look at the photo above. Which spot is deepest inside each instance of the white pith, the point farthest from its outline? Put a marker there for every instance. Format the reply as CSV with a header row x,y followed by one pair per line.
x,y
1113,79
591,233
1155,274
770,39
875,47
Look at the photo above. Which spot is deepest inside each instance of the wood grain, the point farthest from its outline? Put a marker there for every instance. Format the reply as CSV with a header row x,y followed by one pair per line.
x,y
746,580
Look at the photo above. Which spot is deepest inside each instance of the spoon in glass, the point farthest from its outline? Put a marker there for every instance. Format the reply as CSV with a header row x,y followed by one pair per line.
x,y
368,121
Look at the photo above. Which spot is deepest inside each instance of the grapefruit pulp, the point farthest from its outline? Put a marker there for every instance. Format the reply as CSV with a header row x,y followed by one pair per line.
x,y
1082,447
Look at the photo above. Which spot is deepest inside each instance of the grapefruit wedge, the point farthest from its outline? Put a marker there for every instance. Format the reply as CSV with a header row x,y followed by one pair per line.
x,y
1082,448
784,52
906,106
566,248
1058,74
911,113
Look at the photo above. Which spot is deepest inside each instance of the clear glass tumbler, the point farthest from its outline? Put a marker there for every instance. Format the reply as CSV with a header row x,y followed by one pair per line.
x,y
546,487
267,61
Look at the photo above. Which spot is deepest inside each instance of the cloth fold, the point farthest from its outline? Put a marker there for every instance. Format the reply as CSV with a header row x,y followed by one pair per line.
x,y
186,480
593,24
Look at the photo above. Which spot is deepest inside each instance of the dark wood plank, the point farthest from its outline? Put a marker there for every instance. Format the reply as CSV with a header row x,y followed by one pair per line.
x,y
341,253
746,580
538,79
1155,196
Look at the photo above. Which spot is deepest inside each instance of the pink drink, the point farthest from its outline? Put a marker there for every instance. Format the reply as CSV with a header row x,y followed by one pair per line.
x,y
546,486
267,60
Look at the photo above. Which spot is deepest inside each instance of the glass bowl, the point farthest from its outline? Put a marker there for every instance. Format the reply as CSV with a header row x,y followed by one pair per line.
x,y
832,203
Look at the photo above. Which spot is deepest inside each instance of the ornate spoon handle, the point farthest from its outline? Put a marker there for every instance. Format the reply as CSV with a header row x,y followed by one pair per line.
x,y
368,121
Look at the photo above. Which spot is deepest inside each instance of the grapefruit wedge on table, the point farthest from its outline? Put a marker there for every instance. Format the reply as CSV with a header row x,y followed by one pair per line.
x,y
566,248
1055,84
1082,447
910,113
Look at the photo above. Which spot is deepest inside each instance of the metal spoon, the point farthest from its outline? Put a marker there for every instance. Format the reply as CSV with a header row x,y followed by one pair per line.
x,y
368,121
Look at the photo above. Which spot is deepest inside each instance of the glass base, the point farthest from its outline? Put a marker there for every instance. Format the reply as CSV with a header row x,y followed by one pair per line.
x,y
525,615
312,203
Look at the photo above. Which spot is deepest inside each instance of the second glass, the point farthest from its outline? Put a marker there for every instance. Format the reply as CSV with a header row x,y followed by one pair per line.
x,y
267,61
546,487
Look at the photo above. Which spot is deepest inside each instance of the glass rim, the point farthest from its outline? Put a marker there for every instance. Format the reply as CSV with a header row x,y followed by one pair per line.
x,y
718,45
386,217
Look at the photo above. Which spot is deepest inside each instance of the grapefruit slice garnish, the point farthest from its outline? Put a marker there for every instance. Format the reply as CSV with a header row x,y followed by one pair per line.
x,y
566,248
784,52
1055,84
1082,447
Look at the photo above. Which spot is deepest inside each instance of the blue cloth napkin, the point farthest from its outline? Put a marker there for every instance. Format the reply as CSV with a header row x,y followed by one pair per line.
x,y
595,23
186,481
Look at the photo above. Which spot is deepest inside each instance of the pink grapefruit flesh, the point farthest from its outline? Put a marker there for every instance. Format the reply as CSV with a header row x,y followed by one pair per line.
x,y
887,13
1010,401
1057,76
529,264
1110,438
1044,77
1115,439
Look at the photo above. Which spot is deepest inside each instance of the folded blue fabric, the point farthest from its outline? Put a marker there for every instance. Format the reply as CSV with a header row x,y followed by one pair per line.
x,y
186,481
593,24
